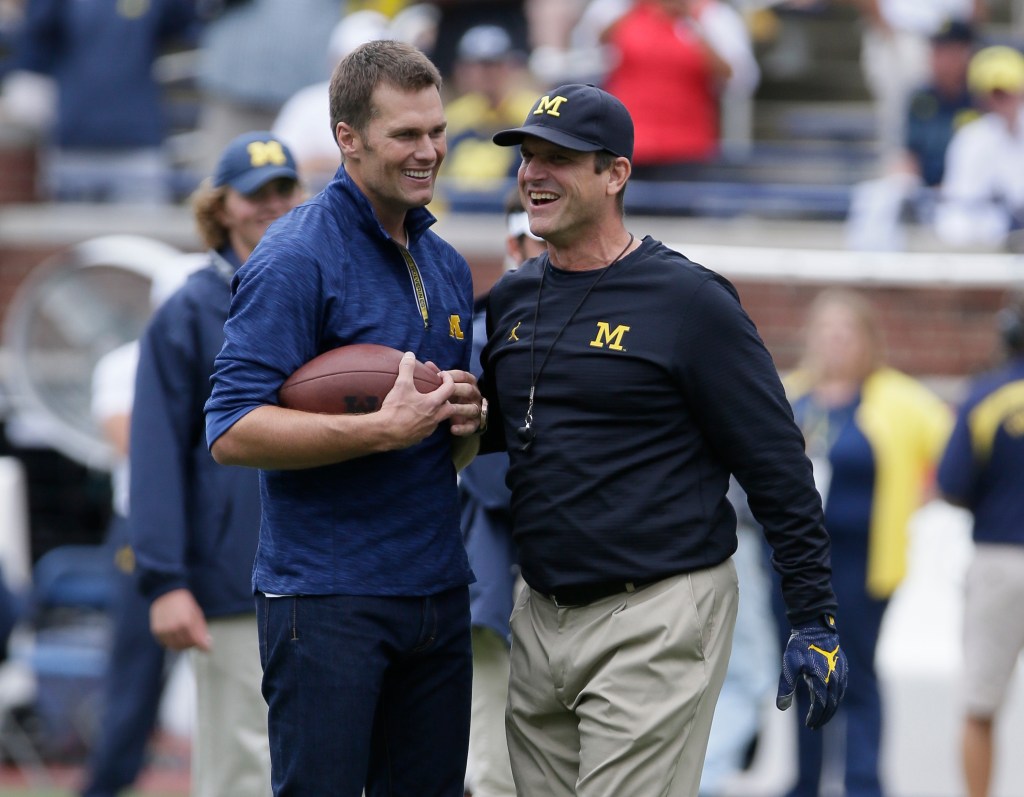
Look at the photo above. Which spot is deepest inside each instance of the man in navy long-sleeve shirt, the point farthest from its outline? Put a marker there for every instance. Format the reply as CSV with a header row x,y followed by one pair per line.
x,y
629,385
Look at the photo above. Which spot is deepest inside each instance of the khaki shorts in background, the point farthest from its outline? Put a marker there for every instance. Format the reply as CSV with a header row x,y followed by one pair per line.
x,y
993,625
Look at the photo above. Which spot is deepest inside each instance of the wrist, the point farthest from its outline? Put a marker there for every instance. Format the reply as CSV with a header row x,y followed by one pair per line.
x,y
823,622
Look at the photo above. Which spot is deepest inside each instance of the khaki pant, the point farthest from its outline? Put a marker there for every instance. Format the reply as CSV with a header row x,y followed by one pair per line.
x,y
615,699
231,753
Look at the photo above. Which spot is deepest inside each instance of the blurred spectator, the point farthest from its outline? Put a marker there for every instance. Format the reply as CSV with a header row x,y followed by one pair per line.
x,y
108,134
253,56
520,242
750,678
134,678
11,609
942,106
195,524
982,198
663,51
494,93
28,100
728,33
724,29
894,55
873,435
458,16
137,666
486,528
936,111
983,471
304,123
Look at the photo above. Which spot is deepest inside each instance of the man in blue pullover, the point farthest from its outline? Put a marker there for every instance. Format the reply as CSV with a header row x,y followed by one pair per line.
x,y
195,523
361,576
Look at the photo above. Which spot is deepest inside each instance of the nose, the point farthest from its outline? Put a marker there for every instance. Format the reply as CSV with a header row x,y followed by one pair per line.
x,y
530,170
429,148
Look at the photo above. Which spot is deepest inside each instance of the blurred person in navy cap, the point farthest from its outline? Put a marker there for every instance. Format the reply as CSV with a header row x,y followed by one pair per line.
x,y
627,383
936,110
895,55
194,523
982,198
942,106
494,92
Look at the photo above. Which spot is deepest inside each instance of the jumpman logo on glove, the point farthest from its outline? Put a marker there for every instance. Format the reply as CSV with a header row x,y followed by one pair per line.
x,y
814,654
830,657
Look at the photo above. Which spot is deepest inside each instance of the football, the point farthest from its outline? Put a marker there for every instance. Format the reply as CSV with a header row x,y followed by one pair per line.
x,y
350,379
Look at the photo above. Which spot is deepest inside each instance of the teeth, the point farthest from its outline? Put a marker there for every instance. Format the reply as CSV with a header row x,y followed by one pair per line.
x,y
419,175
538,196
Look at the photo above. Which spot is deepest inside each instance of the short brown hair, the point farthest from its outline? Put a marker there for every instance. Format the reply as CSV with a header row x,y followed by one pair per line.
x,y
370,65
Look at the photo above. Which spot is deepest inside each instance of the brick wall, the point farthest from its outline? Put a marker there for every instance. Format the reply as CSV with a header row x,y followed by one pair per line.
x,y
937,331
941,328
18,164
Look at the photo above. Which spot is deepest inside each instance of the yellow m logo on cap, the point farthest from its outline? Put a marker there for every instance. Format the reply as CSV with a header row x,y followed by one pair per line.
x,y
549,106
262,153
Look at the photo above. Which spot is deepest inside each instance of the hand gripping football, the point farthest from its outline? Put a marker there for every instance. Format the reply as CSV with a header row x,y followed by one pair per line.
x,y
350,379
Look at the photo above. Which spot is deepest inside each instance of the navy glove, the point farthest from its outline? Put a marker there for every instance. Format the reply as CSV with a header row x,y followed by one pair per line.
x,y
813,651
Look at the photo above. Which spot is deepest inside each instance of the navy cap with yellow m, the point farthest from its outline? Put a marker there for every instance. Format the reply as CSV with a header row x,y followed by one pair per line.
x,y
576,116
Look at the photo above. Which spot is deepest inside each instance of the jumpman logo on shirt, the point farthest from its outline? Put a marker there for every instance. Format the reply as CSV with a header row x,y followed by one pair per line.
x,y
512,335
830,657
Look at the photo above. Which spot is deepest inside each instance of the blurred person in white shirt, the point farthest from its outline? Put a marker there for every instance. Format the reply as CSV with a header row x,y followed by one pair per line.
x,y
982,201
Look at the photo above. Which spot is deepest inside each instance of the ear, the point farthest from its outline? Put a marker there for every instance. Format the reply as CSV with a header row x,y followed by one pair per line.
x,y
348,140
618,174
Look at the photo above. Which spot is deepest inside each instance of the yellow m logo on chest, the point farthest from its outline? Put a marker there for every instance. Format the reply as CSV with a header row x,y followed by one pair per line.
x,y
607,335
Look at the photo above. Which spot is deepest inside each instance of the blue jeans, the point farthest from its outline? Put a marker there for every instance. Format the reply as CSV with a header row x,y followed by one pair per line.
x,y
367,691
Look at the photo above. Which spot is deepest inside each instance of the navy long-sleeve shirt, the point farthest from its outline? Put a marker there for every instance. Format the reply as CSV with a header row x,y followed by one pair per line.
x,y
194,523
649,391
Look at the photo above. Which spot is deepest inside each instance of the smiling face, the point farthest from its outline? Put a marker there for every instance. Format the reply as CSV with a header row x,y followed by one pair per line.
x,y
246,217
564,195
396,159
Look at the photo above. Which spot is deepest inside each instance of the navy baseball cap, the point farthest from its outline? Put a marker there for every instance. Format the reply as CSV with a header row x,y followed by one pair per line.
x,y
954,31
252,160
577,116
